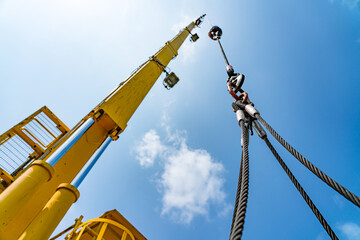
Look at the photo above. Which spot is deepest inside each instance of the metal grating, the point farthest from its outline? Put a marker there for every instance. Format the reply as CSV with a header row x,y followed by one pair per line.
x,y
29,139
13,153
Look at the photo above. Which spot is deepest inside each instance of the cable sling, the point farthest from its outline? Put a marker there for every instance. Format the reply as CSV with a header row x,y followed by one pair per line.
x,y
237,196
328,180
241,209
306,197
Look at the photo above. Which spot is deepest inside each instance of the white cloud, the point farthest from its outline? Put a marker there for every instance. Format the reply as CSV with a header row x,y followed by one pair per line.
x,y
350,230
190,180
149,148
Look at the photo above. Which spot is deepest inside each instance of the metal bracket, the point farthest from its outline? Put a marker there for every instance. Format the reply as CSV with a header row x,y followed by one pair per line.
x,y
114,134
159,64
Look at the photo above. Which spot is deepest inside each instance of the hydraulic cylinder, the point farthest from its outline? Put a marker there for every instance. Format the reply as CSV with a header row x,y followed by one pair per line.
x,y
19,192
89,165
66,194
72,154
50,216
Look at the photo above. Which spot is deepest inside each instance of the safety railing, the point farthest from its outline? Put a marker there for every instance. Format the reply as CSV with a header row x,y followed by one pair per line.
x,y
100,229
29,140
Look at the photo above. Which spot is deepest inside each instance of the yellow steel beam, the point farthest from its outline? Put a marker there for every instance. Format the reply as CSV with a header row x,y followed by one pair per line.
x,y
117,109
102,231
28,140
121,104
19,130
60,125
107,222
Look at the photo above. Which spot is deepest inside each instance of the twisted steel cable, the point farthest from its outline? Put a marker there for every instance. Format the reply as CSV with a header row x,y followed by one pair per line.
x,y
237,197
302,192
238,226
328,180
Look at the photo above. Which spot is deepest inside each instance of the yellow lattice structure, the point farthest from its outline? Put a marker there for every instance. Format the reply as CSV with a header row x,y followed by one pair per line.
x,y
31,139
109,226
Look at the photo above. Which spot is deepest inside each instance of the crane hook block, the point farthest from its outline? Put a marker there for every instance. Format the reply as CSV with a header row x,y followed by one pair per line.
x,y
215,33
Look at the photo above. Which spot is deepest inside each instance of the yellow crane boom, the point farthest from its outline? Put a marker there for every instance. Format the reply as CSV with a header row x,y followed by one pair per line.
x,y
22,202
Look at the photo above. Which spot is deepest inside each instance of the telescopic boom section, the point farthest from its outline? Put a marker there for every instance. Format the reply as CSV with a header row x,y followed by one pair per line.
x,y
121,104
28,194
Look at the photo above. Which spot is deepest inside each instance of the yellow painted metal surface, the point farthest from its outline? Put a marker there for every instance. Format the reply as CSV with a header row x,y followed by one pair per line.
x,y
110,226
103,233
5,176
65,171
121,104
23,138
23,133
60,125
18,193
50,216
118,108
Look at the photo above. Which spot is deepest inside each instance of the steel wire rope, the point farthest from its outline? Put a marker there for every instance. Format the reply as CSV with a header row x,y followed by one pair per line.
x,y
328,180
241,211
306,197
237,196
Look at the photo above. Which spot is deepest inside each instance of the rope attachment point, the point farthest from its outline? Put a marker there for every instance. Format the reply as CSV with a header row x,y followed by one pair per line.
x,y
247,113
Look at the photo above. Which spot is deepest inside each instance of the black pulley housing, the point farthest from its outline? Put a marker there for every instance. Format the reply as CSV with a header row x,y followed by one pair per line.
x,y
215,33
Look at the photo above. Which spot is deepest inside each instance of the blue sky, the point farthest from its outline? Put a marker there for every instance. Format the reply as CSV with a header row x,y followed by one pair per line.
x,y
173,172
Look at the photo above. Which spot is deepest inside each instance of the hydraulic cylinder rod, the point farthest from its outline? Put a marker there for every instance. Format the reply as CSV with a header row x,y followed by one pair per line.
x,y
89,165
54,158
39,172
46,221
